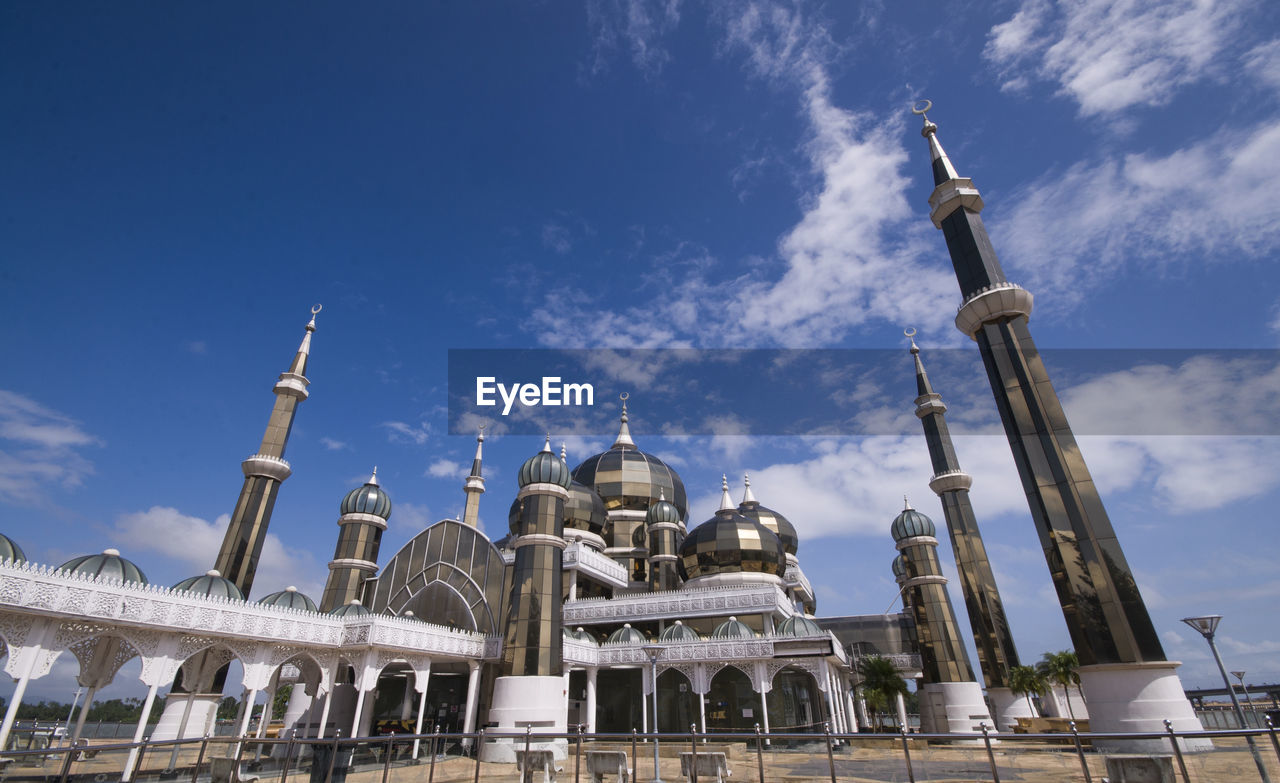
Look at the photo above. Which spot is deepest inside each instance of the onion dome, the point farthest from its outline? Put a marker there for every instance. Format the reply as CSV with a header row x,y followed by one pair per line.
x,y
679,633
733,628
911,523
108,565
369,499
751,509
629,479
578,635
212,584
798,625
638,537
584,510
10,550
900,567
626,635
290,598
544,468
731,543
353,609
662,512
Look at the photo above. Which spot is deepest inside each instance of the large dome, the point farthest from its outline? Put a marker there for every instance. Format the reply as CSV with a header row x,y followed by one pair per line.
x,y
108,565
780,525
584,510
368,499
626,478
731,543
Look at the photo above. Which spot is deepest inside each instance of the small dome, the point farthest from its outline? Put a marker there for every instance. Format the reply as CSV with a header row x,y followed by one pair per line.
x,y
733,628
626,634
679,633
353,609
578,635
798,625
544,468
290,598
900,567
108,565
662,512
638,537
911,523
212,584
731,543
10,550
584,510
369,499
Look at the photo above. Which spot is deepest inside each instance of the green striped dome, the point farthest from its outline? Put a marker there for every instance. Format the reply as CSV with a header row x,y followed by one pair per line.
x,y
353,609
679,633
368,499
290,598
211,583
798,625
108,565
733,628
911,523
10,550
626,634
544,468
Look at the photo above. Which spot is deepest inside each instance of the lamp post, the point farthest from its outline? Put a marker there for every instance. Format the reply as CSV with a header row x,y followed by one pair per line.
x,y
654,650
1206,626
1247,698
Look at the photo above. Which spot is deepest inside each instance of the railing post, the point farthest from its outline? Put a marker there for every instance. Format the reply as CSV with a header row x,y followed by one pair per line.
x,y
1275,744
577,757
831,759
760,753
693,746
66,764
906,753
333,756
525,775
1084,764
288,757
142,754
479,745
1177,751
435,739
239,756
386,763
991,756
635,763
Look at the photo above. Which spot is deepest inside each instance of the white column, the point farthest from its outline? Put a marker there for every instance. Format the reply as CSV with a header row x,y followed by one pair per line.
x,y
702,711
766,622
422,706
324,712
591,699
567,696
851,708
137,734
473,701
902,711
355,723
573,585
33,654
265,718
84,713
248,712
764,710
644,709
406,701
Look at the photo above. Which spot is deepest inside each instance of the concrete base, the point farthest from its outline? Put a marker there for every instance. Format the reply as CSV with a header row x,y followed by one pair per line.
x,y
520,703
1140,769
1009,708
954,708
203,707
1138,697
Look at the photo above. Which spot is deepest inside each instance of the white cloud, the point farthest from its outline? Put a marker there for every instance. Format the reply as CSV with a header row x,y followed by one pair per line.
x,y
635,25
1263,62
1068,232
198,347
41,446
194,543
556,237
411,517
401,432
446,468
333,445
1109,55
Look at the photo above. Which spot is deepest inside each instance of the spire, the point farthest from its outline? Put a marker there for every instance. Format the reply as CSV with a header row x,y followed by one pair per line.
x,y
624,441
546,447
726,503
906,504
299,366
474,485
373,479
563,453
943,171
747,497
475,463
923,386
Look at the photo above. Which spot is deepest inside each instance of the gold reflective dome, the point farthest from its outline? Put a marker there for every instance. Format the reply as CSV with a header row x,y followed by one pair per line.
x,y
627,478
731,543
771,519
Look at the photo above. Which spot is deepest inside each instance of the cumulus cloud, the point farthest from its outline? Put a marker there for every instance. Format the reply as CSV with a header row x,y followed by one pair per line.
x,y
191,544
1109,55
411,517
1068,231
446,468
40,446
1263,62
403,432
332,445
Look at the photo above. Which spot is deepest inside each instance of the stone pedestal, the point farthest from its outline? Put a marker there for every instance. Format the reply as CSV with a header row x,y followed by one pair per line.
x,y
203,707
954,708
1140,769
1138,697
526,702
1009,708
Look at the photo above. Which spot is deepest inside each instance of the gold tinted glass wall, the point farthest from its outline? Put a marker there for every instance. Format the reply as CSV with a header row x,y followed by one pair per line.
x,y
533,642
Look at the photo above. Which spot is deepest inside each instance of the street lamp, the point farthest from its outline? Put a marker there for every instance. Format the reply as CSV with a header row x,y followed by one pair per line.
x,y
1205,626
1247,698
654,650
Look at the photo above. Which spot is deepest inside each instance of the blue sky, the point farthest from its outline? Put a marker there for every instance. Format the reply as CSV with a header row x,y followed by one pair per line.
x,y
184,181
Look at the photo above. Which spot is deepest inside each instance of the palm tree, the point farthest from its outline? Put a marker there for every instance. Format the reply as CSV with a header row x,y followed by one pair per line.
x,y
1026,680
880,683
1060,669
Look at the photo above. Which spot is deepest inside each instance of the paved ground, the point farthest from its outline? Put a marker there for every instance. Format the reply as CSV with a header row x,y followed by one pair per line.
x,y
878,761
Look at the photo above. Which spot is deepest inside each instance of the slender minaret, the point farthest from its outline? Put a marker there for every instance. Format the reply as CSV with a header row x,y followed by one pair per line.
x,y
950,698
263,473
530,690
991,636
1110,628
365,511
474,486
662,523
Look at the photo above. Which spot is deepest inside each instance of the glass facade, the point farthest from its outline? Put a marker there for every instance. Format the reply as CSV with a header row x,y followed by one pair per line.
x,y
534,644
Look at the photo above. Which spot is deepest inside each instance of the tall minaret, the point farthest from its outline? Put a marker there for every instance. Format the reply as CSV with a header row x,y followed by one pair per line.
x,y
263,472
950,699
365,511
1110,628
474,486
991,636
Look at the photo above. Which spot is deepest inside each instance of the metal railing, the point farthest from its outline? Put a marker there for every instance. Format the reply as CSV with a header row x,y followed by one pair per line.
x,y
438,757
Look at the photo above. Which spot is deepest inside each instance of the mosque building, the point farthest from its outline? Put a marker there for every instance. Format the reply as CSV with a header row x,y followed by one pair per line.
x,y
601,580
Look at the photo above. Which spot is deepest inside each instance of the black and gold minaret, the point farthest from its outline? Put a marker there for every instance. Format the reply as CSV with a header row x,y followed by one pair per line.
x,y
365,511
474,486
1110,628
950,699
662,523
263,473
994,642
533,644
